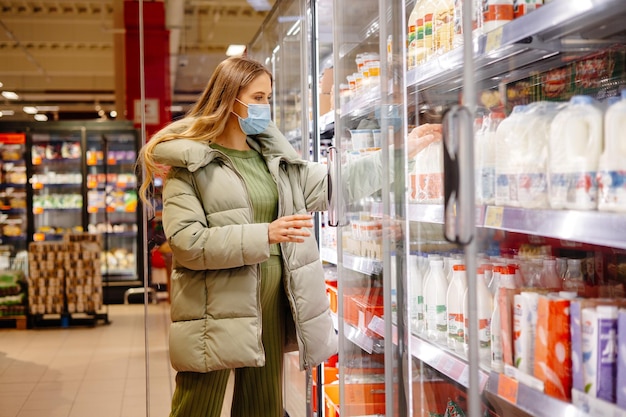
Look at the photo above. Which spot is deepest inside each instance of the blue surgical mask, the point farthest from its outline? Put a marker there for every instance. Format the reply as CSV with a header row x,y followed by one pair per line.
x,y
259,117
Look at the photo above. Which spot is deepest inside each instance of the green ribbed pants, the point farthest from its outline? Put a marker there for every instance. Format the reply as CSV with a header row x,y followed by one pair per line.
x,y
258,391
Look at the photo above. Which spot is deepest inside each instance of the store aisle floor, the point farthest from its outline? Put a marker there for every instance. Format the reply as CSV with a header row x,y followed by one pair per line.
x,y
88,371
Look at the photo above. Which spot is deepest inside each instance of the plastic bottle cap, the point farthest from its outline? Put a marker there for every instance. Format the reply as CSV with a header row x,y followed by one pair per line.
x,y
581,100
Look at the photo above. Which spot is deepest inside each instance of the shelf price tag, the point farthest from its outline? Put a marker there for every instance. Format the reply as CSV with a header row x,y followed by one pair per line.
x,y
507,388
494,216
37,210
39,237
494,39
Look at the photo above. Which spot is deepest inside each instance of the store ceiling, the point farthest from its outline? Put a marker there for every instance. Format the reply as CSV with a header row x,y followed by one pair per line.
x,y
62,53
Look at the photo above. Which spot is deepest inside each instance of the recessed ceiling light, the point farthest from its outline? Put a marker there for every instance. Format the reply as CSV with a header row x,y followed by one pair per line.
x,y
236,50
260,5
29,109
41,117
10,95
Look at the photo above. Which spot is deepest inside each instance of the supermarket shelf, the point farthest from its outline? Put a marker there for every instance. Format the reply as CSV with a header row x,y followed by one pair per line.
x,y
328,255
444,361
360,264
363,103
365,342
511,398
573,28
5,185
593,227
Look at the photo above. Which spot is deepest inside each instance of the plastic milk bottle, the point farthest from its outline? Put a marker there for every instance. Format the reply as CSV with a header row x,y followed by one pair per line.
x,y
454,307
574,150
435,291
509,153
612,164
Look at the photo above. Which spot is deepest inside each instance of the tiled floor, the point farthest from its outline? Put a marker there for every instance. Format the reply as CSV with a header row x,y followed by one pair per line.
x,y
89,371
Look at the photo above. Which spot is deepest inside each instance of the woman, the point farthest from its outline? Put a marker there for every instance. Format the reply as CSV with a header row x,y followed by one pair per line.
x,y
247,283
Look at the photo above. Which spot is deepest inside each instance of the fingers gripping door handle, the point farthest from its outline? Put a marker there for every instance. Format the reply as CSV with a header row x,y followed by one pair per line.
x,y
458,179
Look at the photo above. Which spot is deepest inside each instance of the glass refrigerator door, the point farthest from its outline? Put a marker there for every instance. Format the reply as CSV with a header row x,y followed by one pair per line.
x,y
524,186
13,202
112,201
57,182
368,166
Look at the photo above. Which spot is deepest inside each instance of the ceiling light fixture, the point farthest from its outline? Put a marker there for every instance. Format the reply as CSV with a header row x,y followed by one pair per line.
x,y
260,5
41,117
10,95
235,50
47,108
29,109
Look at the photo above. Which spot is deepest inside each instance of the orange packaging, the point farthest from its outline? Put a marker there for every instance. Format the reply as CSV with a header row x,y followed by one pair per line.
x,y
498,11
505,300
553,353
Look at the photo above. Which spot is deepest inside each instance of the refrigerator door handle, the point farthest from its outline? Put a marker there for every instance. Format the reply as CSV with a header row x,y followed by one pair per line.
x,y
458,189
333,186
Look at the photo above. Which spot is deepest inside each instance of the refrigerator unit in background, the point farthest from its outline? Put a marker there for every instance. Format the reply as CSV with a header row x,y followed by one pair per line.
x,y
80,178
467,284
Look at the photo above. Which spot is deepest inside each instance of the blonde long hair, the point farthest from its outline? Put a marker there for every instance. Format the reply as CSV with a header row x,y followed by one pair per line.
x,y
209,115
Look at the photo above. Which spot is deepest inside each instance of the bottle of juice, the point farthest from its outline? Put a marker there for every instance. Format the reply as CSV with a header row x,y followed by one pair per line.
x,y
411,38
428,9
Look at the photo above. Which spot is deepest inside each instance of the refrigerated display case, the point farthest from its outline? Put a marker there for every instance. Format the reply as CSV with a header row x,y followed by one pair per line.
x,y
13,191
489,200
81,178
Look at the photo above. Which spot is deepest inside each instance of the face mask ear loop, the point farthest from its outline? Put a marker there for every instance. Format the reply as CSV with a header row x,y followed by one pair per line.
x,y
243,104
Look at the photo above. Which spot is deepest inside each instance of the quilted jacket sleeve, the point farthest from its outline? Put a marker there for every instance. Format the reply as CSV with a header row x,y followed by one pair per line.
x,y
197,246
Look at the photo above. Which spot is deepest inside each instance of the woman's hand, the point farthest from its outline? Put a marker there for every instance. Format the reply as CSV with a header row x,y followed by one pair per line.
x,y
421,137
290,228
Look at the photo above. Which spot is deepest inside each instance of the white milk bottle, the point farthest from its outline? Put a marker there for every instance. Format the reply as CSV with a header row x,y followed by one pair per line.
x,y
612,164
509,151
435,291
454,307
485,155
532,182
574,150
484,300
417,298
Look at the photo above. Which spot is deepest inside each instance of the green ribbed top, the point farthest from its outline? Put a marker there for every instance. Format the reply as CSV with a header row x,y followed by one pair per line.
x,y
260,184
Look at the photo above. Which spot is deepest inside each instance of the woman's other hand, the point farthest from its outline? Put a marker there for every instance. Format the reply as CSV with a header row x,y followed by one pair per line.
x,y
421,137
290,228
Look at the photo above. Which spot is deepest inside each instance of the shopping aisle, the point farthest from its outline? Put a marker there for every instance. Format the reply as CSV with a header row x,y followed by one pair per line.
x,y
88,371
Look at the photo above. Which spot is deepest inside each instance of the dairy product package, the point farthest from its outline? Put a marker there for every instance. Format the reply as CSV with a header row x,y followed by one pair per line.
x,y
606,347
505,301
524,329
612,164
576,137
620,383
585,334
485,157
427,180
531,153
509,149
553,361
